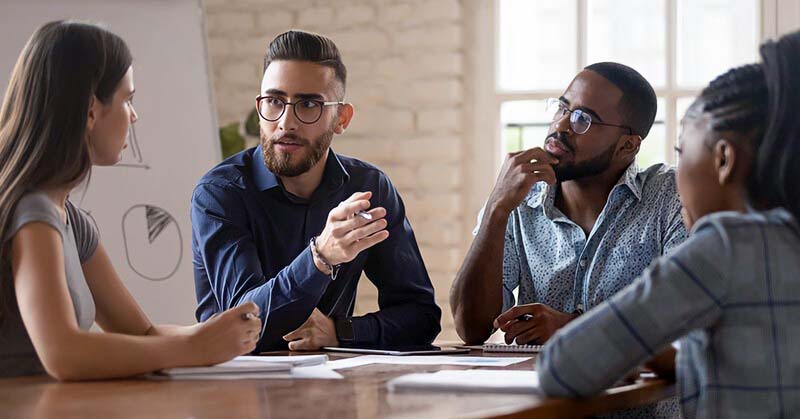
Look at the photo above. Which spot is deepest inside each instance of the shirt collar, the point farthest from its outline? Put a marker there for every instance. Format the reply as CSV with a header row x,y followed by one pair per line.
x,y
632,180
544,195
333,177
263,178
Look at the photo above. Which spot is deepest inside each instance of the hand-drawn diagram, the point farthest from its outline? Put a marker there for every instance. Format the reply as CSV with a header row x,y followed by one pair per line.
x,y
152,238
153,242
132,156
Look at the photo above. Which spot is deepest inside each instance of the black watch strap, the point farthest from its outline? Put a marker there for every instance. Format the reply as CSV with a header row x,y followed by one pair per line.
x,y
344,330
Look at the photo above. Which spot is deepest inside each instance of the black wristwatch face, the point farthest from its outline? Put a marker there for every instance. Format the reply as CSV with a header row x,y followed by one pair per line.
x,y
344,330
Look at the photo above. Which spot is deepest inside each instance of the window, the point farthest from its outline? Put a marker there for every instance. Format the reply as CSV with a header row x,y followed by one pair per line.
x,y
678,45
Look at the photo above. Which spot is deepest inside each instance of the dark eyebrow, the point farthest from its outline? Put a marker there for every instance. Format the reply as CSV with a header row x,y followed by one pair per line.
x,y
275,92
590,111
315,96
301,96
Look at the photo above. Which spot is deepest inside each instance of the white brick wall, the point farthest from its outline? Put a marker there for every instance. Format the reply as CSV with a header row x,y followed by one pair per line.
x,y
405,61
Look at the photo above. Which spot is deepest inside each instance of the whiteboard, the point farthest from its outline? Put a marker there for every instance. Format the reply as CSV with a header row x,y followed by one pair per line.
x,y
141,206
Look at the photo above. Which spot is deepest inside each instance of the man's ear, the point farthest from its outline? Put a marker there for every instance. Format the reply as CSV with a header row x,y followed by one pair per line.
x,y
346,112
724,161
629,145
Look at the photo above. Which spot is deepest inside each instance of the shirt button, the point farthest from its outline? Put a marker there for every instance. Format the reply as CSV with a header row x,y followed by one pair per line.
x,y
583,263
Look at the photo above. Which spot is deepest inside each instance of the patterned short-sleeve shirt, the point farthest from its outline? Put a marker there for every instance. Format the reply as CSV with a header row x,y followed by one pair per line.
x,y
552,261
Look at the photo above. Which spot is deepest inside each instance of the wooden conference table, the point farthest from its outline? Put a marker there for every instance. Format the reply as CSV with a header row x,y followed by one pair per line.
x,y
362,394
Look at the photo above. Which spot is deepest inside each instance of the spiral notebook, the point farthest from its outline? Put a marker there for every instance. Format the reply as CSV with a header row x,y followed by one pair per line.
x,y
502,347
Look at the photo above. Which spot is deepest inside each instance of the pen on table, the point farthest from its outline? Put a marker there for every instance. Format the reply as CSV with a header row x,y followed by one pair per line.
x,y
365,215
524,317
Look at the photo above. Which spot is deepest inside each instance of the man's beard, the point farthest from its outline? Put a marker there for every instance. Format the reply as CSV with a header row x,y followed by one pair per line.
x,y
280,164
591,167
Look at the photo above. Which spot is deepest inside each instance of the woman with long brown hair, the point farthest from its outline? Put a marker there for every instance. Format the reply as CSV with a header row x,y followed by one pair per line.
x,y
69,106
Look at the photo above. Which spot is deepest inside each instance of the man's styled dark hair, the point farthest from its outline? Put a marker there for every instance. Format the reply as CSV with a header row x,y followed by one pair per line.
x,y
761,100
638,97
297,45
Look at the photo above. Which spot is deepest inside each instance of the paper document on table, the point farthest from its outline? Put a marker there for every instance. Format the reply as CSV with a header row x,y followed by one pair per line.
x,y
236,365
319,372
314,372
257,367
294,360
492,381
474,361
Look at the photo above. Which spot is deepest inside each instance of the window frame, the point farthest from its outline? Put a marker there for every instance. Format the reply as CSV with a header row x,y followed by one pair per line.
x,y
483,127
670,92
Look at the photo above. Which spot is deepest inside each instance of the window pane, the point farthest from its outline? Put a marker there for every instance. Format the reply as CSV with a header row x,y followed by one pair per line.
x,y
681,107
654,148
538,44
631,32
713,36
524,123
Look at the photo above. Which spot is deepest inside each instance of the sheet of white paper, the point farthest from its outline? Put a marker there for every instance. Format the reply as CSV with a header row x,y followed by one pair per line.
x,y
475,361
318,372
237,365
297,361
224,376
499,381
314,372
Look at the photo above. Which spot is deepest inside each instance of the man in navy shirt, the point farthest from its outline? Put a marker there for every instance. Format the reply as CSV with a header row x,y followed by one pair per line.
x,y
290,225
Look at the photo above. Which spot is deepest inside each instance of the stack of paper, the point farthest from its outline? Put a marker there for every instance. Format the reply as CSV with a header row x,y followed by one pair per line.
x,y
293,360
236,366
472,361
484,381
257,367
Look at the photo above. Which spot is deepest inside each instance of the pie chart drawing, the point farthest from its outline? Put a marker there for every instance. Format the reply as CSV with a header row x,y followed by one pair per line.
x,y
153,242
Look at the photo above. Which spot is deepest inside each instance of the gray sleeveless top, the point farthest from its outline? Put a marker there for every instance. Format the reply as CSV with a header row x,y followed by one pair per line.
x,y
79,237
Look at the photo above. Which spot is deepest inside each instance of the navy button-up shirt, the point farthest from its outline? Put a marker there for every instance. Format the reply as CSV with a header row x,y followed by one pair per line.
x,y
250,242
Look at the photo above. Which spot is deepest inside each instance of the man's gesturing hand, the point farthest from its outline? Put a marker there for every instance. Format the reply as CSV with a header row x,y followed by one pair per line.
x,y
346,234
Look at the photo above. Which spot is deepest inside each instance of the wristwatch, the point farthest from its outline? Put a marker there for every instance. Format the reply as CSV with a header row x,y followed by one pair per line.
x,y
344,330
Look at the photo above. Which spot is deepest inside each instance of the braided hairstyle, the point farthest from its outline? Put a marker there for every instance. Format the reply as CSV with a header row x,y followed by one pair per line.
x,y
758,100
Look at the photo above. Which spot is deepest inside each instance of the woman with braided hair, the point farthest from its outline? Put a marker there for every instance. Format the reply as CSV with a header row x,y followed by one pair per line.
x,y
731,293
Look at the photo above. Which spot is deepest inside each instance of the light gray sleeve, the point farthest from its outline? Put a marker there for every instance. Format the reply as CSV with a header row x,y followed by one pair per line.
x,y
681,292
35,207
86,235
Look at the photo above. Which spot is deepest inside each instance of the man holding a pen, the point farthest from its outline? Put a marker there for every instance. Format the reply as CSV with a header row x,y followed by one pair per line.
x,y
569,224
290,225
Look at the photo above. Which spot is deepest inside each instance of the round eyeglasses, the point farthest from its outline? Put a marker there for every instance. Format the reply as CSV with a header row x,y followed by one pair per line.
x,y
579,121
307,111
